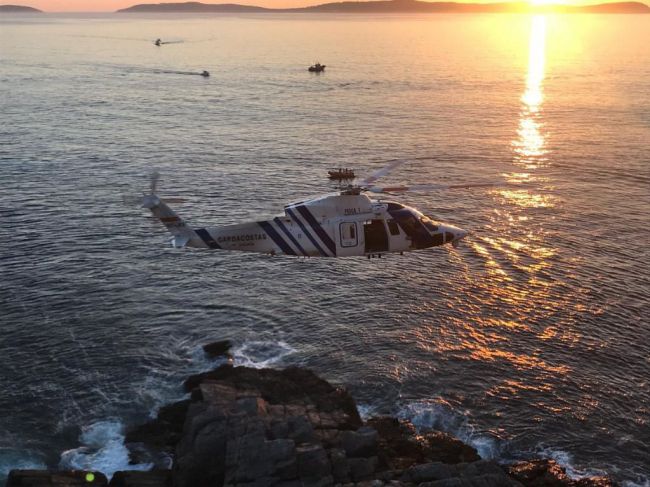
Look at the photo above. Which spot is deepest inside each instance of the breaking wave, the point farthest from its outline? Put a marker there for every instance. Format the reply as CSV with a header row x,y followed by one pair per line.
x,y
440,416
261,354
102,449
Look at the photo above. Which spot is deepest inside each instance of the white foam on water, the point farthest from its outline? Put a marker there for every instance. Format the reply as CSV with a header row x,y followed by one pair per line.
x,y
102,450
261,354
440,416
366,411
565,460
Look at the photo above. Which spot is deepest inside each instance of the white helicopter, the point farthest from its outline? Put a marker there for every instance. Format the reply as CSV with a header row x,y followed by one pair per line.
x,y
343,224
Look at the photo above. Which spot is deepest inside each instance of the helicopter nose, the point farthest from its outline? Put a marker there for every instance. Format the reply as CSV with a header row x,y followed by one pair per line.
x,y
454,234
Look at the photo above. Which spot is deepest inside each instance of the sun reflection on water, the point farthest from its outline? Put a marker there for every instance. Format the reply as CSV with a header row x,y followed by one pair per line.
x,y
529,147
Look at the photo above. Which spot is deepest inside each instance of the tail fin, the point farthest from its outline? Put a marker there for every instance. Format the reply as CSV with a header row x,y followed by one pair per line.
x,y
183,234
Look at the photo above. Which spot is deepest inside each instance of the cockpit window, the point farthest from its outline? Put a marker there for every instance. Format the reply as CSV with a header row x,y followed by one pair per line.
x,y
428,222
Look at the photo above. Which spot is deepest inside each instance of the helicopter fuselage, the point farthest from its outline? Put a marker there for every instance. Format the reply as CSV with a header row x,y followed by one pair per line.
x,y
340,225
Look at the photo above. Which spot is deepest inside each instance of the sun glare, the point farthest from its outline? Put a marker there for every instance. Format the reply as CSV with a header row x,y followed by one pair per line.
x,y
529,146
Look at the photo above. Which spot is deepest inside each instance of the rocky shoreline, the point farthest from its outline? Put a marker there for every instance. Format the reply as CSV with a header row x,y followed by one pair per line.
x,y
290,428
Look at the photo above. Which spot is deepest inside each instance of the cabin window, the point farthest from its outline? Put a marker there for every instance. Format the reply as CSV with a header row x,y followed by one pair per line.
x,y
393,227
348,232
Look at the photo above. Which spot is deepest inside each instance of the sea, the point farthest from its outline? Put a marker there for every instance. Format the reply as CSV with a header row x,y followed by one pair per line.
x,y
531,339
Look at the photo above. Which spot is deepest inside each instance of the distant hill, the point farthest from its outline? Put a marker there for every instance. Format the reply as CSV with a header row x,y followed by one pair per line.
x,y
18,9
193,7
398,6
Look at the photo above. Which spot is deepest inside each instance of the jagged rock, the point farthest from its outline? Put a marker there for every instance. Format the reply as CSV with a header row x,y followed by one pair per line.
x,y
340,465
255,428
165,431
540,473
595,482
398,447
218,349
480,467
362,468
360,443
154,478
300,429
289,386
443,447
46,478
451,482
547,473
312,462
428,472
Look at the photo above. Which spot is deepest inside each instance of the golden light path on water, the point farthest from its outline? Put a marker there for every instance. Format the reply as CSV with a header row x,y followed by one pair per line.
x,y
530,143
509,307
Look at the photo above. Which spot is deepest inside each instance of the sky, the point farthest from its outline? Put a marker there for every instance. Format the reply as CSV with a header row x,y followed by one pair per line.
x,y
112,5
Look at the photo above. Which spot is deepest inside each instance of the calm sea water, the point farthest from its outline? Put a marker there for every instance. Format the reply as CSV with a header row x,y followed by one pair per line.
x,y
529,339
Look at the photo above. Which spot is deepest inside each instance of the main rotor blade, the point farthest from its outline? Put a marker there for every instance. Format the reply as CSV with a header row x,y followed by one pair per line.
x,y
382,172
428,187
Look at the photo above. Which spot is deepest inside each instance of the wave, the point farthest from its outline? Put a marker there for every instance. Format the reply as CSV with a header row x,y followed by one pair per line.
x,y
102,442
441,416
102,450
262,354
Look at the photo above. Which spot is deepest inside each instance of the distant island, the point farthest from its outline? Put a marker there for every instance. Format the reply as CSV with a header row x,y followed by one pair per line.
x,y
18,9
398,6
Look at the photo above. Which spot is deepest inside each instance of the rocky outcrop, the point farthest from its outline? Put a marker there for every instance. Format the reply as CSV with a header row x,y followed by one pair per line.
x,y
249,427
43,478
547,473
289,427
218,349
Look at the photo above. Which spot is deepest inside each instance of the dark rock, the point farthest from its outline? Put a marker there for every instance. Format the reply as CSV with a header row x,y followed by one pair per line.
x,y
540,473
154,478
312,462
46,478
443,447
289,386
493,480
480,467
398,447
340,466
360,443
217,349
362,468
300,429
451,482
165,431
547,473
428,472
595,482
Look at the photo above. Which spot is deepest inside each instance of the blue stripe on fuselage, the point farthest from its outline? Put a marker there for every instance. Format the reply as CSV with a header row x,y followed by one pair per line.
x,y
279,223
276,237
320,231
304,229
207,238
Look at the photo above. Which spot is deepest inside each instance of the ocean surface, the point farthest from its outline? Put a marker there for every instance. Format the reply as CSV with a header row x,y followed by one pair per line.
x,y
530,339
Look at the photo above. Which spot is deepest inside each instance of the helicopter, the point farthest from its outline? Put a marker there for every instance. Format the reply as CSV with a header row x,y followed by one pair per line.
x,y
344,224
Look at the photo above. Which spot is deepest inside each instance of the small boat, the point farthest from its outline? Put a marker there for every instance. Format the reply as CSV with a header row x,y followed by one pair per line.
x,y
158,42
205,74
341,173
317,68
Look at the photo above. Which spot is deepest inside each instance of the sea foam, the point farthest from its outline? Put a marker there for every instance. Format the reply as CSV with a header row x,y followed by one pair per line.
x,y
102,449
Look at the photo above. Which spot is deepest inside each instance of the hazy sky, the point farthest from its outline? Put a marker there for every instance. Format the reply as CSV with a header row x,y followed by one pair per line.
x,y
112,5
